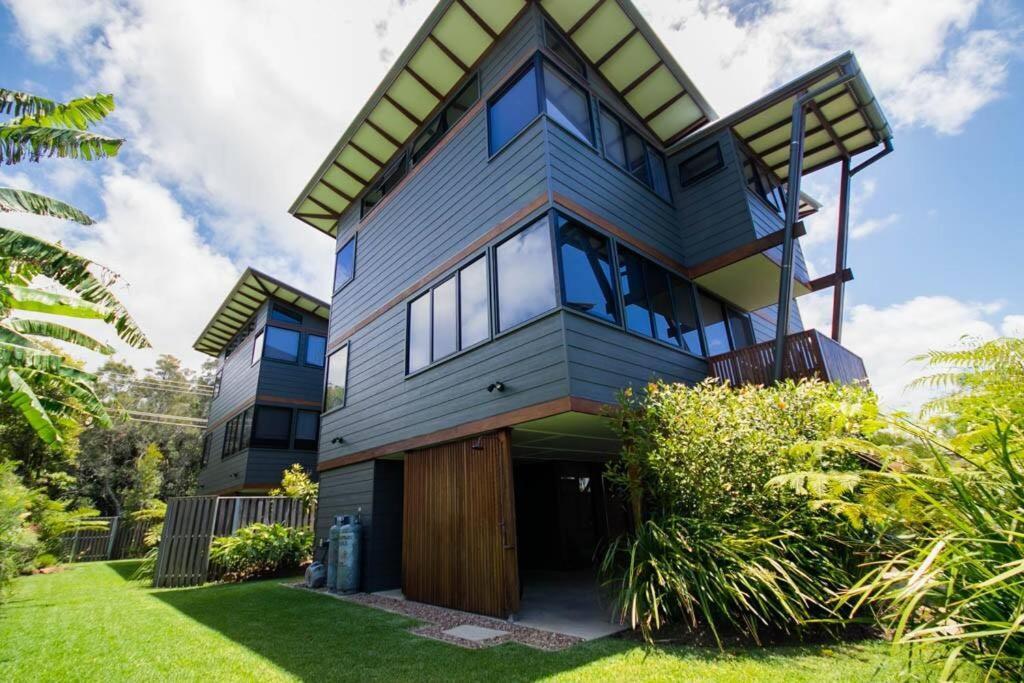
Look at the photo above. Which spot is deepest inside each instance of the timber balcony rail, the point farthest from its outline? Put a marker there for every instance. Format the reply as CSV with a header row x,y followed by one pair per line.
x,y
808,354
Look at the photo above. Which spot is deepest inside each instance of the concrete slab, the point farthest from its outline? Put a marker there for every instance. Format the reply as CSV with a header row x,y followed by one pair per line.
x,y
473,633
568,603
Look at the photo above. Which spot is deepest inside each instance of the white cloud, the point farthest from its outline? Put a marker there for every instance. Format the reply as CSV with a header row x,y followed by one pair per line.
x,y
872,225
1013,326
888,337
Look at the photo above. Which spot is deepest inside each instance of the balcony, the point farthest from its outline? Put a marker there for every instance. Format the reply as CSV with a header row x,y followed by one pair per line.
x,y
808,354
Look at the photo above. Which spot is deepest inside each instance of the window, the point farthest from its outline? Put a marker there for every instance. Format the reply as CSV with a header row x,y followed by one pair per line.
x,y
474,304
740,329
272,427
659,296
560,47
567,103
236,433
443,122
634,293
714,325
526,282
307,430
217,378
625,148
345,264
764,184
284,316
453,315
388,181
337,378
207,447
281,344
239,337
316,347
512,109
587,276
700,165
257,347
686,315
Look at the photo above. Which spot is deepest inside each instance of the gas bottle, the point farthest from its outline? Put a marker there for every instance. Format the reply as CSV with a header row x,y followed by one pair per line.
x,y
350,550
333,538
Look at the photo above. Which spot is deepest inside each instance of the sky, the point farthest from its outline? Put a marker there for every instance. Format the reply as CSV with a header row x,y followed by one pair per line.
x,y
229,107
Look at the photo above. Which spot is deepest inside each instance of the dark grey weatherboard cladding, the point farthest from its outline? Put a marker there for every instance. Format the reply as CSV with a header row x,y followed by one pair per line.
x,y
239,377
604,360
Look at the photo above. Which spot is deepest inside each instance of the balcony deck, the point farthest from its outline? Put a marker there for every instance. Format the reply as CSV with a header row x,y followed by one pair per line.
x,y
808,354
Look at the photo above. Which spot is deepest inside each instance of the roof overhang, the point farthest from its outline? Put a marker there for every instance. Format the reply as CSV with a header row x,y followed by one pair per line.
x,y
751,283
252,291
842,121
446,50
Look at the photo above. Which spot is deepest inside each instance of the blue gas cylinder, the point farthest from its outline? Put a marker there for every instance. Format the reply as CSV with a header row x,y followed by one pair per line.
x,y
350,550
333,541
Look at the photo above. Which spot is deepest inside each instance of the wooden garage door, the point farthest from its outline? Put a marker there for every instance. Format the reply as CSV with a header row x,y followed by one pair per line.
x,y
459,531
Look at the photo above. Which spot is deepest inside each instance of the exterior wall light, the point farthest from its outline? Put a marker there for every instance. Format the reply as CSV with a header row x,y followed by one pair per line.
x,y
497,386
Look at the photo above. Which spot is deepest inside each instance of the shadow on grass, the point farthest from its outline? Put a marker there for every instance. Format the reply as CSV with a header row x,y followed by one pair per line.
x,y
125,568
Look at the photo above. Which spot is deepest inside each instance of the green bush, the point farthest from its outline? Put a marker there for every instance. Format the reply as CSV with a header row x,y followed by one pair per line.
x,y
17,542
261,550
45,560
714,546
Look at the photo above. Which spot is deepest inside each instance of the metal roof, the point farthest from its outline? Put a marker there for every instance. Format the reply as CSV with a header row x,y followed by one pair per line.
x,y
611,34
844,120
251,291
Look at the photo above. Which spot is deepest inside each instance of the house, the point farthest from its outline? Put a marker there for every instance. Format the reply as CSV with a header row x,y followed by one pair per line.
x,y
535,209
269,340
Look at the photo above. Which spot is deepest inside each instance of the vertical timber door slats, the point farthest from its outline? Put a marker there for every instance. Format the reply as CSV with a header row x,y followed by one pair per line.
x,y
458,546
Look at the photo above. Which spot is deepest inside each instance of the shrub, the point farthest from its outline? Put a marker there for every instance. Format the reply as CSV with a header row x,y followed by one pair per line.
x,y
262,549
44,561
714,546
155,511
17,542
295,483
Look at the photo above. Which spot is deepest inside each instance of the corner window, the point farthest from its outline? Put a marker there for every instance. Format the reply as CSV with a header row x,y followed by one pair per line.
x,y
284,316
281,344
567,103
336,380
524,274
435,130
272,427
764,184
587,276
345,264
451,316
316,347
700,165
628,150
388,181
237,432
512,109
307,430
686,316
558,45
634,293
217,379
257,347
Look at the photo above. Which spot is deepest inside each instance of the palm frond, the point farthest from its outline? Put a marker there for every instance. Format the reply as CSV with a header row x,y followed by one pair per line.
x,y
43,328
10,336
38,301
15,391
79,113
71,271
23,201
18,143
15,355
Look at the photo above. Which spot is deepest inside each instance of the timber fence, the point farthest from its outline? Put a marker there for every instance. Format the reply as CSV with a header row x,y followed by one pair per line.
x,y
121,539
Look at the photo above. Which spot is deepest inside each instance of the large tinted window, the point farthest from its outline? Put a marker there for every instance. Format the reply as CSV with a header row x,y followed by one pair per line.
x,y
474,305
345,264
588,280
686,317
626,148
511,110
307,430
714,325
634,292
272,427
337,379
660,303
316,346
526,283
567,104
445,329
281,344
419,333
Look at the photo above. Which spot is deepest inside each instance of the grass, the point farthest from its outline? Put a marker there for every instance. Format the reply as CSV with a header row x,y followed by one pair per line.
x,y
93,623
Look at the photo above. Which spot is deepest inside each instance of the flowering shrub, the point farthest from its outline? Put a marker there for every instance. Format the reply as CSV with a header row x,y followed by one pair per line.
x,y
261,550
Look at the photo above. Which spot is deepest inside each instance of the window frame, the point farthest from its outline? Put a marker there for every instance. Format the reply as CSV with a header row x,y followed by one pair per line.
x,y
271,445
337,252
305,350
552,34
347,346
298,345
496,292
207,449
401,163
295,430
218,379
289,316
474,78
236,436
706,173
257,343
649,148
619,313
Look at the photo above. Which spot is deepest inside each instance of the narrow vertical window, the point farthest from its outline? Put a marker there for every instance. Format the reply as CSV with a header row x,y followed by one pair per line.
x,y
419,333
686,316
217,379
257,347
659,175
526,283
474,303
634,292
611,139
567,104
444,341
316,347
714,325
512,109
636,157
307,430
662,315
588,281
335,386
739,326
345,264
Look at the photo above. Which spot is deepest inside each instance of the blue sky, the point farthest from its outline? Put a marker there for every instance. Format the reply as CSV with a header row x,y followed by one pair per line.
x,y
229,107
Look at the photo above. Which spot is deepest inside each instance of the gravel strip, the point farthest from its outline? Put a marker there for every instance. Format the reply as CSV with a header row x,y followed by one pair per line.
x,y
440,619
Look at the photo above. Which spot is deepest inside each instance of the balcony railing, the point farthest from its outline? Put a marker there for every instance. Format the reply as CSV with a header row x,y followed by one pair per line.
x,y
808,354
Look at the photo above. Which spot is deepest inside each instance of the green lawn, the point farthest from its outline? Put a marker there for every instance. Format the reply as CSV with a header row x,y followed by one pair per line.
x,y
93,623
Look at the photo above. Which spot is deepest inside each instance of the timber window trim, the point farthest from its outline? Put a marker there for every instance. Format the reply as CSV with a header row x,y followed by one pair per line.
x,y
345,264
341,353
651,172
422,316
702,164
